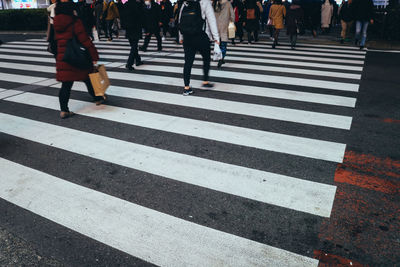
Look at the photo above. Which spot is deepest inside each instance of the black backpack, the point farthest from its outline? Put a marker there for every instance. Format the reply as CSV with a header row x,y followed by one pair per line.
x,y
191,21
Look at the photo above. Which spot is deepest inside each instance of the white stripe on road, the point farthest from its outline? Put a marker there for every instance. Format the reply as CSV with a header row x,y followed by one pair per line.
x,y
19,78
147,234
36,59
254,110
280,190
126,53
281,143
263,48
352,87
268,68
222,87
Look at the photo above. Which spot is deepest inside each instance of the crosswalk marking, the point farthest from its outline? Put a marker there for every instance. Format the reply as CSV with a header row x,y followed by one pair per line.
x,y
153,236
224,133
170,50
325,75
280,190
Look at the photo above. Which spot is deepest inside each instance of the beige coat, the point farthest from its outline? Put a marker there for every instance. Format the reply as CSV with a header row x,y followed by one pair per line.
x,y
277,13
326,14
224,16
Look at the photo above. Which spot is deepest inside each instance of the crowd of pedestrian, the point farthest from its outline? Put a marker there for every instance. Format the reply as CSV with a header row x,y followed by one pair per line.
x,y
193,23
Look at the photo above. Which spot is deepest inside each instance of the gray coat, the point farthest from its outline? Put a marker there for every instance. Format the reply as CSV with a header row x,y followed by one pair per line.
x,y
224,16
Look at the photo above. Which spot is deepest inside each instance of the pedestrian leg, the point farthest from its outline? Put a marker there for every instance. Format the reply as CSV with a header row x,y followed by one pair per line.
x,y
358,31
146,42
91,91
364,33
64,95
344,30
256,35
159,41
205,52
190,53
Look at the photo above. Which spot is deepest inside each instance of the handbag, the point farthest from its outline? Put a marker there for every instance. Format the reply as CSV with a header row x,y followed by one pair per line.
x,y
99,80
231,30
76,54
270,22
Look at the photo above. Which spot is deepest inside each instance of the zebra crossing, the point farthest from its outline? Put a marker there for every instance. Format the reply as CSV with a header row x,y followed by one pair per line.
x,y
240,175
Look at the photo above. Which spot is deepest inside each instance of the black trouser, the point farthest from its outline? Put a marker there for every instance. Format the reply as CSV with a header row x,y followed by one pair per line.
x,y
148,37
109,28
293,39
276,35
239,30
192,44
250,35
65,92
165,28
134,54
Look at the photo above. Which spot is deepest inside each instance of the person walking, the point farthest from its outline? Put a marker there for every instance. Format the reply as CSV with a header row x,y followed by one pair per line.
x,y
252,20
110,14
240,18
85,13
294,18
167,16
277,13
312,14
152,23
224,15
363,15
326,16
133,21
98,13
66,27
264,16
346,18
197,26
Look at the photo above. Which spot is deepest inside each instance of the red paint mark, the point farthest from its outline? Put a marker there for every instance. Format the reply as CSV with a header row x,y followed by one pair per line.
x,y
366,181
370,163
326,260
389,120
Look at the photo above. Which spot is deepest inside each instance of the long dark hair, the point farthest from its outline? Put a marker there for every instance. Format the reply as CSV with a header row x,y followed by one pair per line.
x,y
216,5
66,8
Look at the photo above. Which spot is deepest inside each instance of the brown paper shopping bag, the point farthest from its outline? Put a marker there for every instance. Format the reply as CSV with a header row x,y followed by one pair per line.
x,y
99,80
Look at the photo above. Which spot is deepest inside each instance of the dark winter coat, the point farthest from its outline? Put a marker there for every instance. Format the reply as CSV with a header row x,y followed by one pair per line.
x,y
133,19
294,18
85,13
363,10
240,9
166,11
252,24
346,12
152,18
66,25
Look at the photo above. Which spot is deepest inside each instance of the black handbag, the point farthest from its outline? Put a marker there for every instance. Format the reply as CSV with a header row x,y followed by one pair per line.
x,y
76,54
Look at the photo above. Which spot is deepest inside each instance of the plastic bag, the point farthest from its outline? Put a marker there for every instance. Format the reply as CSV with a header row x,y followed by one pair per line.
x,y
217,52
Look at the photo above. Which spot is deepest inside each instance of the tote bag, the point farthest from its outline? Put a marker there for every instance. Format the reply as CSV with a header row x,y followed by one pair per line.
x,y
99,80
76,54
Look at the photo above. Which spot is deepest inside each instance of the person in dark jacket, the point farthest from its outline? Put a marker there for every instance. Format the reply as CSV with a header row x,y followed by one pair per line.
x,y
240,18
252,25
85,13
98,13
294,19
312,14
346,17
152,23
166,16
363,15
133,21
66,26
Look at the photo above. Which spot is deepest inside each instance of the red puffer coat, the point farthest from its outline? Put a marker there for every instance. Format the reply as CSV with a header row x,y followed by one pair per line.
x,y
63,32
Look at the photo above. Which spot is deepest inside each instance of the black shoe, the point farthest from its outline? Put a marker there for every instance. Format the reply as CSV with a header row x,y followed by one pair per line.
x,y
142,49
223,61
139,63
361,47
187,92
273,45
219,63
355,42
131,68
293,48
208,85
159,49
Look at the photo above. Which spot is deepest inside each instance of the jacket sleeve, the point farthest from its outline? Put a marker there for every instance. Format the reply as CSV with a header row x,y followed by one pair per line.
x,y
80,33
210,19
232,18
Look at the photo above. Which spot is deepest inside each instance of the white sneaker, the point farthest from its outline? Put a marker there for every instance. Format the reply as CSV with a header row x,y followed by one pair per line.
x,y
163,38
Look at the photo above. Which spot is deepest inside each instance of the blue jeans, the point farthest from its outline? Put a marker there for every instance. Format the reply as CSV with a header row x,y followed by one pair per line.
x,y
223,46
364,26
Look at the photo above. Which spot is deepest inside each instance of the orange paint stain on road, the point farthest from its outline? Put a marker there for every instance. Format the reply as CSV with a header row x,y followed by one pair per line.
x,y
389,120
328,260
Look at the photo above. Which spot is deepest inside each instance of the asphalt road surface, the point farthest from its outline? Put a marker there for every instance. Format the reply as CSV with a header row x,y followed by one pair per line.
x,y
293,159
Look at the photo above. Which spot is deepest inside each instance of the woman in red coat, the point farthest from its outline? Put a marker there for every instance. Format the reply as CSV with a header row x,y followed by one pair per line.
x,y
66,25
